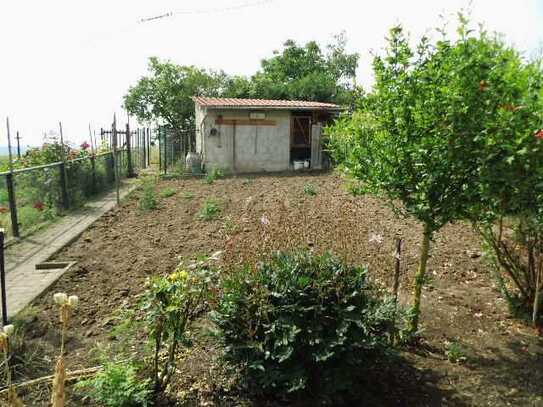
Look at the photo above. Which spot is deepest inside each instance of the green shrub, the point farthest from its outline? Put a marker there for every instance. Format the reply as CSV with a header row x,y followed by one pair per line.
x,y
117,385
302,323
167,192
209,210
148,199
170,304
309,190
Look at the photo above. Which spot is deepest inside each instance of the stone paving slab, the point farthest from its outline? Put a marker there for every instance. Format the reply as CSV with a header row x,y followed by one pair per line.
x,y
23,282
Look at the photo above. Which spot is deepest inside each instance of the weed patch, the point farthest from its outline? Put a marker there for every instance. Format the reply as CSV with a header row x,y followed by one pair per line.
x,y
210,210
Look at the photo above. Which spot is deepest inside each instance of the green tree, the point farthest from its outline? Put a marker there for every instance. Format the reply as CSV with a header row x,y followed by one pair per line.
x,y
164,95
420,137
509,214
307,73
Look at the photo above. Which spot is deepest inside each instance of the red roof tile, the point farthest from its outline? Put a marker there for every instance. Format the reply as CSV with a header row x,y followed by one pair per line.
x,y
231,103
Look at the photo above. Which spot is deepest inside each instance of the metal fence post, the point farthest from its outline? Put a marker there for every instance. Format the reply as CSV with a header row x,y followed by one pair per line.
x,y
63,174
12,205
64,186
3,280
93,167
129,167
148,144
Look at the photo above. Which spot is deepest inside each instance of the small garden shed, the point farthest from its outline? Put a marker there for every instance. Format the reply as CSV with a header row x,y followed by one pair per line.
x,y
257,135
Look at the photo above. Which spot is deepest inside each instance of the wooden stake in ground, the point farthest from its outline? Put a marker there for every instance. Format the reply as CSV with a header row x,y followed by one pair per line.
x,y
535,315
397,267
396,286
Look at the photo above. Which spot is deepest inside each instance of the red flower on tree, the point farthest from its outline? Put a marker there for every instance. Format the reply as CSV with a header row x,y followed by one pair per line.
x,y
539,134
38,205
85,145
3,209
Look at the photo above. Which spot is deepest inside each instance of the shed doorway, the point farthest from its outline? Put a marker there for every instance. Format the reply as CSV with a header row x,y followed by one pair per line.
x,y
300,137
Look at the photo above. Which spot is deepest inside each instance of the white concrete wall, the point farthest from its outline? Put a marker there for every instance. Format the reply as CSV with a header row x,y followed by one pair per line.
x,y
257,148
199,117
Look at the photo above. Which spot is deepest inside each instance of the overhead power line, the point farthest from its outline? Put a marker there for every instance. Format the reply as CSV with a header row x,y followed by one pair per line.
x,y
214,10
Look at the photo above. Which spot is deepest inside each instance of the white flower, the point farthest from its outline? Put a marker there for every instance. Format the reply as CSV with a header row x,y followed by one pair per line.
x,y
375,238
60,298
264,220
8,329
73,301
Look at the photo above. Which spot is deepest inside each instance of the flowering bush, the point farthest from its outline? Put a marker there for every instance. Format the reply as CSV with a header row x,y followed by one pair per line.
x,y
171,303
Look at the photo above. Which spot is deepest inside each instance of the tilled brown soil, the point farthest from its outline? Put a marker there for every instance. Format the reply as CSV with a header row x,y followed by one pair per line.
x,y
504,365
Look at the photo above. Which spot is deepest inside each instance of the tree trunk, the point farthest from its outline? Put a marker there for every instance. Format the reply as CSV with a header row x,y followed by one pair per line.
x,y
419,280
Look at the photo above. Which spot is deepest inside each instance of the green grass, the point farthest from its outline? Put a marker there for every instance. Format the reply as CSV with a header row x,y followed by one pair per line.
x,y
212,175
188,195
209,211
148,199
167,192
309,190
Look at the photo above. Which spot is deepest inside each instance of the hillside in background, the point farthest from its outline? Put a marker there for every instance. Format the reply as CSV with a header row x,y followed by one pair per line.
x,y
5,152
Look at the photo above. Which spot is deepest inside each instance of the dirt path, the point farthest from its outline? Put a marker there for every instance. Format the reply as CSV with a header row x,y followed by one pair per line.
x,y
504,358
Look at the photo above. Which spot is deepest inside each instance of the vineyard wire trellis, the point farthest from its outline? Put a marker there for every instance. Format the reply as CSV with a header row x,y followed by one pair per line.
x,y
33,196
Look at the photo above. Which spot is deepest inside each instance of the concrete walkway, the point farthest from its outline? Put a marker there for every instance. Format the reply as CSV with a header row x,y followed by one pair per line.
x,y
23,282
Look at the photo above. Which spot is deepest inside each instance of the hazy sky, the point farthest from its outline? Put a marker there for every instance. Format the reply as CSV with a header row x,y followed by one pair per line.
x,y
74,60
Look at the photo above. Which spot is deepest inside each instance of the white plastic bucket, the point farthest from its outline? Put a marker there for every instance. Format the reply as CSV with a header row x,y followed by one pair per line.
x,y
298,165
306,164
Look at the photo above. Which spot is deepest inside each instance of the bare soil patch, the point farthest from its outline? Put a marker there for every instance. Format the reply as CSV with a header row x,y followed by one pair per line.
x,y
504,363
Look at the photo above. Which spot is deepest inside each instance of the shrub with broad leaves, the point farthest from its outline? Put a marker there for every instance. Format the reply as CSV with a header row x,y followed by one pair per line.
x,y
302,324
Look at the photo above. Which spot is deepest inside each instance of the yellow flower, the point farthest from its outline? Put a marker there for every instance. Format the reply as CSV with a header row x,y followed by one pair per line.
x,y
178,276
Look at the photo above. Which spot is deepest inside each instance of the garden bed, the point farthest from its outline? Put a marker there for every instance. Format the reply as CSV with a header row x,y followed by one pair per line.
x,y
463,316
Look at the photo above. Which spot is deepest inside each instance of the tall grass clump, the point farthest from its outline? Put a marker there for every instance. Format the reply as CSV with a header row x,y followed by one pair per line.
x,y
148,197
214,174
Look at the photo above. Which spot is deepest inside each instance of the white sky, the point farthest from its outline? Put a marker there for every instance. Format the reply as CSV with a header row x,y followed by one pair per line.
x,y
74,60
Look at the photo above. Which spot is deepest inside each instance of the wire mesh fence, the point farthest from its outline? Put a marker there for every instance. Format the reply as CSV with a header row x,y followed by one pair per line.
x,y
33,197
173,147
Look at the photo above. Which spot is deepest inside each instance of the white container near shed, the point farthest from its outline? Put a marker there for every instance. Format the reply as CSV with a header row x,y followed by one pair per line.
x,y
298,165
306,163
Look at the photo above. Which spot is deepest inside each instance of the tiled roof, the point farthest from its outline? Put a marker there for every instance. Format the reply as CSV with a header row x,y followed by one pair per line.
x,y
234,103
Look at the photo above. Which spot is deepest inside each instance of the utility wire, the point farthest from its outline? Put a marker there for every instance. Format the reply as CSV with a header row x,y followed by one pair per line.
x,y
214,10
